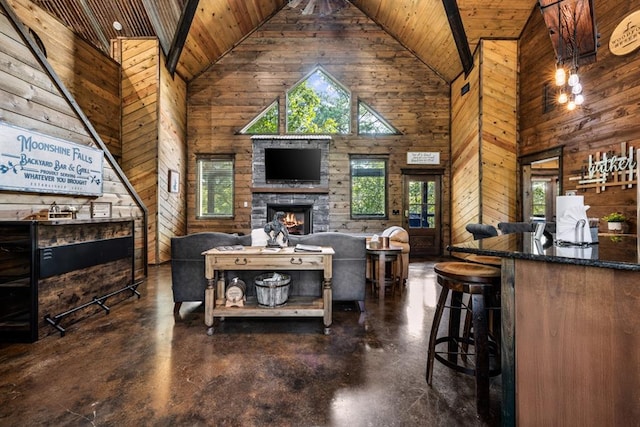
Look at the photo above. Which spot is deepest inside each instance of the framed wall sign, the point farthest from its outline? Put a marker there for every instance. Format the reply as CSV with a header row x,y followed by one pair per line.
x,y
33,162
174,181
100,210
423,158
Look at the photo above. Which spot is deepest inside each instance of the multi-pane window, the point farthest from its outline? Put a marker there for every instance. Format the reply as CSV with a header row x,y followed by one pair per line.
x,y
368,187
266,123
371,123
215,186
422,204
318,104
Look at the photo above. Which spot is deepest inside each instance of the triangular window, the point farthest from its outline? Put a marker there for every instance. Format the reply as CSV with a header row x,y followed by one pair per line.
x,y
318,105
266,123
370,122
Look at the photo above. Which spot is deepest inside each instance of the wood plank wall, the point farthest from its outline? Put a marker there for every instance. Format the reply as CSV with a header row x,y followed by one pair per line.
x,y
357,52
608,117
30,99
465,153
172,155
499,80
140,79
483,139
92,78
153,139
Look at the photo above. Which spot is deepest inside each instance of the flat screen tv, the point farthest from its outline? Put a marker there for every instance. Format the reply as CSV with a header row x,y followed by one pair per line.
x,y
292,164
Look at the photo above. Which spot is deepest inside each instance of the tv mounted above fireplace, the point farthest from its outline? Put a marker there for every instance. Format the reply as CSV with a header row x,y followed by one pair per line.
x,y
292,164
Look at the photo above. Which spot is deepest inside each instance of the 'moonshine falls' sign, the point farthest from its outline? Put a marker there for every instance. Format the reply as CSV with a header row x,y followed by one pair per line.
x,y
33,162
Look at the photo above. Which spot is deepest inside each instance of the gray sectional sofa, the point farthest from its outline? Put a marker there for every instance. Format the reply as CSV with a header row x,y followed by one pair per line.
x,y
349,265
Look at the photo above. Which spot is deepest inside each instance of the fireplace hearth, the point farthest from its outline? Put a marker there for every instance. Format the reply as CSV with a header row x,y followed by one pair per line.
x,y
298,218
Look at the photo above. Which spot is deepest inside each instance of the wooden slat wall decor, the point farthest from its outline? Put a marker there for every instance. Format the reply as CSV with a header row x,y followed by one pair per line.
x,y
483,140
363,57
92,78
608,117
45,109
153,139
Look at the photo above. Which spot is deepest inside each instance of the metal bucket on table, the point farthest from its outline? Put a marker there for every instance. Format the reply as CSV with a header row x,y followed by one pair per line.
x,y
272,289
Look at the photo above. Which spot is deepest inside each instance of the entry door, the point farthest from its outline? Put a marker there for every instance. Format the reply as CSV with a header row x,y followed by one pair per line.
x,y
540,187
422,214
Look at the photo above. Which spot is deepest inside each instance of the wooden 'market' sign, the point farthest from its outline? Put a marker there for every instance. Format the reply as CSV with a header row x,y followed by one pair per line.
x,y
33,162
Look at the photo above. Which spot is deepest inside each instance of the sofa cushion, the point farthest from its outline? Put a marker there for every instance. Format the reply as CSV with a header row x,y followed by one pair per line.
x,y
187,262
349,263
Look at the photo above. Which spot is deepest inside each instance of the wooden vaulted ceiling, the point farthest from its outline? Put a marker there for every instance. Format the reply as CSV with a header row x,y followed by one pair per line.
x,y
198,37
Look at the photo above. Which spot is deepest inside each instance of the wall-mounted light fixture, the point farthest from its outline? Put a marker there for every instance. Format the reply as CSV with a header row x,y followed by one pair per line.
x,y
571,25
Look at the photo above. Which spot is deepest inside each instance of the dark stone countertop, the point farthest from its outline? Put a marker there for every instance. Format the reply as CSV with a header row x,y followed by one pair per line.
x,y
612,251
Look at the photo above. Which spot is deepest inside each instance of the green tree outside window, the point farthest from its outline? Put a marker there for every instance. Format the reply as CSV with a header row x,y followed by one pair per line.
x,y
318,104
368,187
215,187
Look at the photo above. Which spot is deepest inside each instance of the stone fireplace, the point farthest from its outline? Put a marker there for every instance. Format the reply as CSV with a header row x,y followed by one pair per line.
x,y
297,218
306,202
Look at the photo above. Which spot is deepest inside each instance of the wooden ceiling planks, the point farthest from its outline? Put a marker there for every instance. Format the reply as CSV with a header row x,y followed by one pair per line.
x,y
219,26
502,19
433,43
419,25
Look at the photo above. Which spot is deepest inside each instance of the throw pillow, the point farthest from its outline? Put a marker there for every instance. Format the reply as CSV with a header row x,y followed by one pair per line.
x,y
258,237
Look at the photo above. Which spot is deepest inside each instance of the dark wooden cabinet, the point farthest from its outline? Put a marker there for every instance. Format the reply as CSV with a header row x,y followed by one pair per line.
x,y
59,272
18,283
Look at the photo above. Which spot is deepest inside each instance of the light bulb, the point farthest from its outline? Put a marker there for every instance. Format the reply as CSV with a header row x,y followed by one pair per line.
x,y
579,99
571,105
573,79
576,89
563,98
561,76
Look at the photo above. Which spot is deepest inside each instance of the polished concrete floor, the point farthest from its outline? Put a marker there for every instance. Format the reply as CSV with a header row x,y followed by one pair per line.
x,y
141,366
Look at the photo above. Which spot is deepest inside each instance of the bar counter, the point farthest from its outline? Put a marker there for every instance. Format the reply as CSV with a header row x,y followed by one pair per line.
x,y
570,329
617,251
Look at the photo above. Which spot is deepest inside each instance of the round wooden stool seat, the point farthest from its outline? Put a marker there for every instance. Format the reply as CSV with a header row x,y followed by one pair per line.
x,y
481,285
468,272
485,259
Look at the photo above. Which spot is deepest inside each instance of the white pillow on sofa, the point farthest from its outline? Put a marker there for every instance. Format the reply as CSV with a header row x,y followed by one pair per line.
x,y
258,237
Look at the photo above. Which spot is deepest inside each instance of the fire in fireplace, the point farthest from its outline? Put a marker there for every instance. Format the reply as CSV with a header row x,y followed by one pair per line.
x,y
298,218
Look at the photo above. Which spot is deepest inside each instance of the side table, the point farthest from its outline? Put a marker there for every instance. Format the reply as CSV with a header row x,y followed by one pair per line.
x,y
379,258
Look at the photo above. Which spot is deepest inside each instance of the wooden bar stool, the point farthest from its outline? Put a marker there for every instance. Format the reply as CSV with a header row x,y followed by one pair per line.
x,y
481,283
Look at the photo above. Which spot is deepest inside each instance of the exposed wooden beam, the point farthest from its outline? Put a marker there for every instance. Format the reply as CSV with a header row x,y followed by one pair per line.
x,y
459,35
95,25
572,29
180,37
